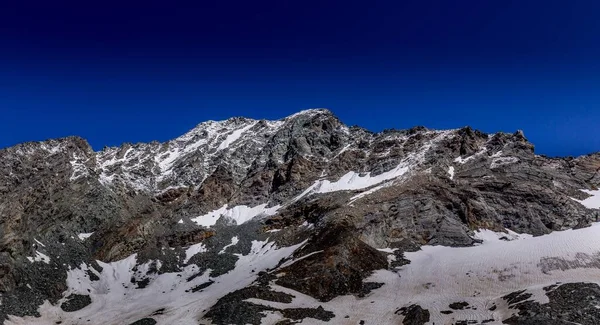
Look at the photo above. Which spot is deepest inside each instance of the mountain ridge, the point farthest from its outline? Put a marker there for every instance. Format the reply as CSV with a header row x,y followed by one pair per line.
x,y
211,204
307,111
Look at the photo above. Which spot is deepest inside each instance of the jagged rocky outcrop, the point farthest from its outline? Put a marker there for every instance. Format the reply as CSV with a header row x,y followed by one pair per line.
x,y
335,263
199,205
568,303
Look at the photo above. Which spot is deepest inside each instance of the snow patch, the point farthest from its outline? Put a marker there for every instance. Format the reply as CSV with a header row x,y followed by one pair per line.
x,y
39,242
84,236
235,135
490,236
451,172
501,161
462,160
369,192
39,257
357,181
388,250
341,151
193,250
592,202
234,242
78,166
292,261
307,112
354,181
52,149
240,214
307,225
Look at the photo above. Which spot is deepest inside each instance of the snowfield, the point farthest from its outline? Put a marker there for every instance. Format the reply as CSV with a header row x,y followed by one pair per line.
x,y
436,277
240,214
115,300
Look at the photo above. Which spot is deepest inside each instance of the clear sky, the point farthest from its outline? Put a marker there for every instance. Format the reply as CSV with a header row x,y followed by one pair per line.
x,y
131,71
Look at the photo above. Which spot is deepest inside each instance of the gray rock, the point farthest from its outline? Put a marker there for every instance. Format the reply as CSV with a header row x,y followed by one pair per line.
x,y
140,199
569,303
75,302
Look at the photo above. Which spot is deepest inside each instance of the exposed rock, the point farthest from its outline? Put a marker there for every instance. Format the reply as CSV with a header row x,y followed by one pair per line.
x,y
414,315
337,266
145,321
62,205
458,305
301,313
232,309
517,296
75,302
570,303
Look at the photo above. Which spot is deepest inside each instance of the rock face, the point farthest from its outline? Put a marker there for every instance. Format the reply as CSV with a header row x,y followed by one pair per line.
x,y
197,209
568,303
335,265
414,315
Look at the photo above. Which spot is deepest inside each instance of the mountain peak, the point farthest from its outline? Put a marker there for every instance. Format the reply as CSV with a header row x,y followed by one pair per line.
x,y
134,230
310,112
237,122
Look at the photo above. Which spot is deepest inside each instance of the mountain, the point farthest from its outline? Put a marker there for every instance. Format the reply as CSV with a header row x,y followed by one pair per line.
x,y
301,219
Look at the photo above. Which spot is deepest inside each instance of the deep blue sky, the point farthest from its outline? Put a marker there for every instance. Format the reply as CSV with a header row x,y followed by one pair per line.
x,y
129,71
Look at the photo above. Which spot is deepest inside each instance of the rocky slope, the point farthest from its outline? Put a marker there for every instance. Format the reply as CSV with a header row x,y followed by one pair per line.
x,y
245,221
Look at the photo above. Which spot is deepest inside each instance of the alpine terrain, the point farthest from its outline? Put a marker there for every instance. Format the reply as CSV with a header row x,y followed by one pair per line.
x,y
299,220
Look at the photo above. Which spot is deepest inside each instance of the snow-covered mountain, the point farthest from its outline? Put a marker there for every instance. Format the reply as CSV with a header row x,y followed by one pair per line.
x,y
301,219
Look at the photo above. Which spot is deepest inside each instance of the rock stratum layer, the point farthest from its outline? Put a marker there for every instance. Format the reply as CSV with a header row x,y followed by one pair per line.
x,y
302,219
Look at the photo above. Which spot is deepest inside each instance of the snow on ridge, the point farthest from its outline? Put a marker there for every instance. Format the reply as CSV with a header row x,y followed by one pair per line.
x,y
240,214
309,112
496,154
214,137
211,132
235,135
166,160
111,159
79,168
355,181
370,191
209,137
462,160
209,127
52,149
